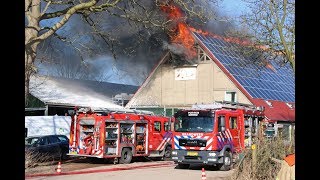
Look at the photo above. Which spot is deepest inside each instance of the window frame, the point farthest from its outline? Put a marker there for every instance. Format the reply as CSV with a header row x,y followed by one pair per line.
x,y
53,139
231,93
166,126
154,126
62,138
231,124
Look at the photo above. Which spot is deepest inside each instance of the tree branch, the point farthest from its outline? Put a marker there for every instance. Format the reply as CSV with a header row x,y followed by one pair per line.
x,y
58,2
65,19
45,9
27,5
54,14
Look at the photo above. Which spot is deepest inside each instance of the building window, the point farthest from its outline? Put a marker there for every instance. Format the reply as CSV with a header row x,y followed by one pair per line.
x,y
284,131
157,126
231,96
233,122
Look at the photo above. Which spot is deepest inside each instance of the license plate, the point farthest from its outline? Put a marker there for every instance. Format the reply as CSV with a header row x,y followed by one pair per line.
x,y
191,153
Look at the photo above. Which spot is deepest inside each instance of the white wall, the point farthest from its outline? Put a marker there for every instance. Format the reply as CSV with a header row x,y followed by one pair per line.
x,y
47,125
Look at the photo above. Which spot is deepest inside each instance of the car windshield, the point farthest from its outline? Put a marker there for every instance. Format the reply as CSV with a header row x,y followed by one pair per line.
x,y
194,124
31,140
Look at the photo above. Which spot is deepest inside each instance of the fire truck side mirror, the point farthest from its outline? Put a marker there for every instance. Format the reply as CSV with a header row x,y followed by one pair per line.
x,y
221,123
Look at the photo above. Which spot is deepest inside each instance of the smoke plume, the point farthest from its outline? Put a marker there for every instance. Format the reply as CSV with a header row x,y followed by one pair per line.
x,y
108,48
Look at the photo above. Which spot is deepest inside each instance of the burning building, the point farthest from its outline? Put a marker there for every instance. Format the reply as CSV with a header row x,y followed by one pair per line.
x,y
202,68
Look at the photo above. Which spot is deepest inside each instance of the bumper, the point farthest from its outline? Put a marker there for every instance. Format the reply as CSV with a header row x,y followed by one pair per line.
x,y
83,155
196,157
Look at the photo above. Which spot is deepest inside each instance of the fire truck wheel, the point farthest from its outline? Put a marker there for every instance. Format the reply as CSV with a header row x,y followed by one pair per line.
x,y
227,162
183,166
126,156
167,153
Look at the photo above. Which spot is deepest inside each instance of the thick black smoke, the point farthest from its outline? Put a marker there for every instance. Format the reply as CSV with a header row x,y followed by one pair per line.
x,y
107,48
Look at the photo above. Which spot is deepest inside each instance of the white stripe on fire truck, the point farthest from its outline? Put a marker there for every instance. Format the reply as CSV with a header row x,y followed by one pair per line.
x,y
222,139
208,142
163,143
231,140
165,138
227,134
230,134
223,134
228,137
176,143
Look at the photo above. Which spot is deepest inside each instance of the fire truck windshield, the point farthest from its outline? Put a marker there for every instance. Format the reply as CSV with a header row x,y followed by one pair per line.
x,y
193,124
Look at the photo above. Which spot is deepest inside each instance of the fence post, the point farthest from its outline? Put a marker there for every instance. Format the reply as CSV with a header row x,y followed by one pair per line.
x,y
254,157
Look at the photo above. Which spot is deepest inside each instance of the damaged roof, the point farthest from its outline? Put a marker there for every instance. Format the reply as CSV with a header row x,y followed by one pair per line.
x,y
54,90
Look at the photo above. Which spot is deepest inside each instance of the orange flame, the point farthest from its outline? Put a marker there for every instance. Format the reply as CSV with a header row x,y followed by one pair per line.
x,y
180,34
227,39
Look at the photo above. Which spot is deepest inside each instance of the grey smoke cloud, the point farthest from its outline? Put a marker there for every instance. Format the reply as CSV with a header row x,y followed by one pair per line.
x,y
136,49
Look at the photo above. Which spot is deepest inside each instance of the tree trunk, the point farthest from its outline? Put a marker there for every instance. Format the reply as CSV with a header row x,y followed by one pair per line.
x,y
26,89
30,56
29,70
31,32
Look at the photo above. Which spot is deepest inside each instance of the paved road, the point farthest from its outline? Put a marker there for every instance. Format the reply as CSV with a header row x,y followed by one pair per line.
x,y
154,172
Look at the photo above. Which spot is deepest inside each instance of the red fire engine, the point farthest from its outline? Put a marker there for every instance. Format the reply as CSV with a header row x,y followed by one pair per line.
x,y
214,134
119,135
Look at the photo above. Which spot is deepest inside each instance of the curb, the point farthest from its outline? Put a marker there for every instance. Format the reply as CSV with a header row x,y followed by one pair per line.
x,y
99,170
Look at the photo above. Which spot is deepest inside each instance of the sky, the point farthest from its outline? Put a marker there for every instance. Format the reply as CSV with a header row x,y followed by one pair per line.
x,y
233,8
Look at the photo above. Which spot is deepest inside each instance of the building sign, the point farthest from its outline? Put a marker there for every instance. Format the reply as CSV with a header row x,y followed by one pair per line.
x,y
186,73
193,113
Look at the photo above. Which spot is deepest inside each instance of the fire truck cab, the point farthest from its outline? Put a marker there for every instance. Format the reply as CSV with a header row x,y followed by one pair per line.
x,y
214,134
119,135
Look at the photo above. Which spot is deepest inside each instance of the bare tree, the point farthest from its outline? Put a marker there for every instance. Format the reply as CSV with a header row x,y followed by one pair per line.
x,y
55,14
270,25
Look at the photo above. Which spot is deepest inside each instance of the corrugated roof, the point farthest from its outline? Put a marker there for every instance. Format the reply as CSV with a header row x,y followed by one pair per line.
x,y
77,92
277,110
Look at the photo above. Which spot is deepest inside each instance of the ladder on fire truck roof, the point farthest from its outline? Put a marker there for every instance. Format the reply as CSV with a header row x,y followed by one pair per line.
x,y
112,110
227,105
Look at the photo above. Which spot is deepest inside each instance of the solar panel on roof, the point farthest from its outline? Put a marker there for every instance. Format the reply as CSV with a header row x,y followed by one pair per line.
x,y
259,81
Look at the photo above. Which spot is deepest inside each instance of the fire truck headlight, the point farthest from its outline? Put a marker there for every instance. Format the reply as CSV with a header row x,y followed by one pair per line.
x,y
212,154
174,152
